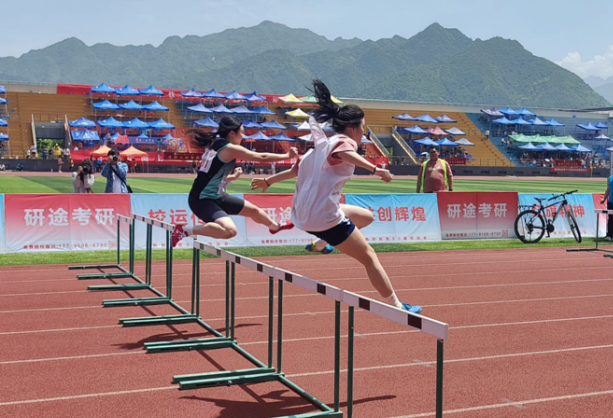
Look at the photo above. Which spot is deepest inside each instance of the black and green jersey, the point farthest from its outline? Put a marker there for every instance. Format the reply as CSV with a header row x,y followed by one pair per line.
x,y
211,180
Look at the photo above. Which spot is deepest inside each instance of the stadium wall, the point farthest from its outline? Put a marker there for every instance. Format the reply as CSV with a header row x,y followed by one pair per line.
x,y
82,222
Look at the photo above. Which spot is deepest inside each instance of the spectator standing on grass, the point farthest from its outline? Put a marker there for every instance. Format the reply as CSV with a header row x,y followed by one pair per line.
x,y
608,197
116,173
83,179
434,175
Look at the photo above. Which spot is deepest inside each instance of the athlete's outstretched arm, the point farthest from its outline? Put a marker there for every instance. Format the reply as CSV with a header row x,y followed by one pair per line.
x,y
354,158
265,183
236,152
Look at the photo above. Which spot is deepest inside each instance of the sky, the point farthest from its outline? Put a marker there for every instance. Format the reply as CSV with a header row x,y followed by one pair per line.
x,y
573,34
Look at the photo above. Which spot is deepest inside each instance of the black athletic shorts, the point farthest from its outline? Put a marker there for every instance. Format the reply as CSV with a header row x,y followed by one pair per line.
x,y
209,210
337,234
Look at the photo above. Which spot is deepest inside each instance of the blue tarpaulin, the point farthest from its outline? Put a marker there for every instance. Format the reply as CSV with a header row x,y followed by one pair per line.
x,y
588,126
524,112
200,108
103,88
135,123
262,111
131,105
426,118
127,91
161,124
273,124
207,123
213,94
520,121
221,109
445,119
233,95
85,135
508,111
105,104
254,97
241,110
151,91
546,147
111,123
601,125
528,147
155,106
282,137
191,93
503,121
82,123
251,124
580,148
446,143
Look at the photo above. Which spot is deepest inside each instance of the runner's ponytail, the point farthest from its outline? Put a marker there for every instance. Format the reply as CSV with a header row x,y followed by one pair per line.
x,y
342,117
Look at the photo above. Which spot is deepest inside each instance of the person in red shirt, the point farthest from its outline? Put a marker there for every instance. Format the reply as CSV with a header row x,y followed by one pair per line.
x,y
434,175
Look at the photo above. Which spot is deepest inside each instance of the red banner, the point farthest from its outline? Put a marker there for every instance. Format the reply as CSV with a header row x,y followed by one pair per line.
x,y
569,170
567,163
468,215
182,156
61,222
456,161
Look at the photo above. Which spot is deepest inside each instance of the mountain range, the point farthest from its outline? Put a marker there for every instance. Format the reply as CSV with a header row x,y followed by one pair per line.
x,y
602,86
437,65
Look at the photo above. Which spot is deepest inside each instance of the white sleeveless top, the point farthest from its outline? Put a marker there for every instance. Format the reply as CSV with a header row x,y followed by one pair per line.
x,y
316,204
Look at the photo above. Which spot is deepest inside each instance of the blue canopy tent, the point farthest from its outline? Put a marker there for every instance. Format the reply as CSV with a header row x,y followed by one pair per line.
x,y
538,122
221,109
546,147
2,101
563,147
127,91
258,136
200,108
445,119
273,124
155,106
233,95
251,124
493,112
241,110
2,90
524,112
416,130
106,105
110,123
213,94
601,125
508,111
103,88
503,121
3,122
254,97
446,143
161,124
587,127
151,91
426,118
131,105
82,123
520,121
553,122
167,138
4,137
464,142
135,123
602,136
207,123
454,131
191,93
85,135
262,111
426,141
404,116
530,147
282,137
580,148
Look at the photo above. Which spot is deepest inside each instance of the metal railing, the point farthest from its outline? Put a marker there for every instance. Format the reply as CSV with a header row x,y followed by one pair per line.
x,y
377,143
411,154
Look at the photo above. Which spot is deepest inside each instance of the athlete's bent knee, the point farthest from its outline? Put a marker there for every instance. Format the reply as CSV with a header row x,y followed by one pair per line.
x,y
229,232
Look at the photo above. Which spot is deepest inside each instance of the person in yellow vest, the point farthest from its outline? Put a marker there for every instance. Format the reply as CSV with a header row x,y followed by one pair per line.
x,y
434,175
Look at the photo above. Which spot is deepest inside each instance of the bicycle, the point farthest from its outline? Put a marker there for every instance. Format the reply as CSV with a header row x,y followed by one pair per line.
x,y
531,224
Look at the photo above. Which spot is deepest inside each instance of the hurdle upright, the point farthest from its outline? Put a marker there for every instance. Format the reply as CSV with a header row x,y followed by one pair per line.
x,y
596,248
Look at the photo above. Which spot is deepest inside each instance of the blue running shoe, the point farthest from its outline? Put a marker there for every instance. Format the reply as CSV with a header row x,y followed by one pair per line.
x,y
312,248
412,309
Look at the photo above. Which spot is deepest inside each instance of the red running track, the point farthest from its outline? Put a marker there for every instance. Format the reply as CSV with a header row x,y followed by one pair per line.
x,y
530,336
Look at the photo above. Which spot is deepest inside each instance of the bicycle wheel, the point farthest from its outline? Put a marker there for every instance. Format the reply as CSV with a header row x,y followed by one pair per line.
x,y
574,226
529,227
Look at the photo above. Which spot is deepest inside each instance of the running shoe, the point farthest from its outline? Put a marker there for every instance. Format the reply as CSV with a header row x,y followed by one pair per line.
x,y
283,227
312,248
410,308
177,235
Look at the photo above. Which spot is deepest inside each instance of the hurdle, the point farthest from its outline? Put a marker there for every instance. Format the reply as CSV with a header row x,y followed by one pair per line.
x,y
596,248
269,372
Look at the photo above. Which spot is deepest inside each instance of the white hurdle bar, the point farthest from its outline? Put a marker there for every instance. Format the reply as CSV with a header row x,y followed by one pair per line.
x,y
427,325
154,222
596,248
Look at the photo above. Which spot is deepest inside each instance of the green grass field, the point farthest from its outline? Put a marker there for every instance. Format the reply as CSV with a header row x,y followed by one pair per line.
x,y
52,184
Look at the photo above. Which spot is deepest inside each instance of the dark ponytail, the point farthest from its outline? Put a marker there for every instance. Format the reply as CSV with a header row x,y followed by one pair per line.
x,y
202,139
343,117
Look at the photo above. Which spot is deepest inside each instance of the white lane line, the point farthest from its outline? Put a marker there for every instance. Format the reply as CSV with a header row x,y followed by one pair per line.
x,y
510,402
89,395
45,293
40,360
460,360
57,330
503,405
